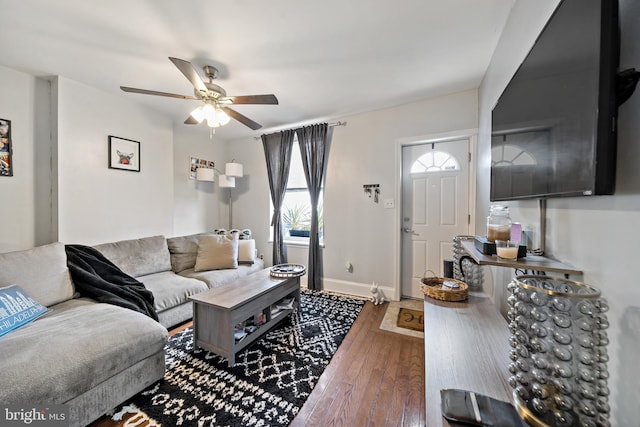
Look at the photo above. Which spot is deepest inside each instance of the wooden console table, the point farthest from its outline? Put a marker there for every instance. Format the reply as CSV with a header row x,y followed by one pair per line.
x,y
466,346
530,262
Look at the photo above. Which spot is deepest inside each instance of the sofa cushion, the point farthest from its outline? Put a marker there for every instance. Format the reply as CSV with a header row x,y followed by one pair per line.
x,y
138,257
42,272
216,252
75,347
184,251
215,278
170,289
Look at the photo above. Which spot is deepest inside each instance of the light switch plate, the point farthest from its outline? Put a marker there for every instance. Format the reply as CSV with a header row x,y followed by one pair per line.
x,y
389,203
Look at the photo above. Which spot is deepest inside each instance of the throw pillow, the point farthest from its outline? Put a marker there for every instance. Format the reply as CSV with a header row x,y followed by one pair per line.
x,y
17,309
216,252
244,234
246,251
184,251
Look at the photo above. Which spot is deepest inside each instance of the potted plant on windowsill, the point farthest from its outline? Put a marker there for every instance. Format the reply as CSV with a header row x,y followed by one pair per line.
x,y
296,220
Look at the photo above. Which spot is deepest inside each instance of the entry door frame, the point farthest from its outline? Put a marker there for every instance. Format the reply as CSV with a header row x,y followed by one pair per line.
x,y
472,136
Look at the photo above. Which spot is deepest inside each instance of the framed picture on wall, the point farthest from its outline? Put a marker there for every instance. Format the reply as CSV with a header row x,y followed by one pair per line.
x,y
124,154
195,163
6,163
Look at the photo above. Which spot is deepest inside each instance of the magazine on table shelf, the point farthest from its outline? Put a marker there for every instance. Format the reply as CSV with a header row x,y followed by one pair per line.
x,y
250,325
284,304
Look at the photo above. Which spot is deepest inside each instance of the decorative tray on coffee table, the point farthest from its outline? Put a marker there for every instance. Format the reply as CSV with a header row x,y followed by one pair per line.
x,y
288,270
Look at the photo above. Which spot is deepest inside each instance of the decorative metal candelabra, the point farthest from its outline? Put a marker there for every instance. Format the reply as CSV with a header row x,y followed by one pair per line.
x,y
464,268
559,356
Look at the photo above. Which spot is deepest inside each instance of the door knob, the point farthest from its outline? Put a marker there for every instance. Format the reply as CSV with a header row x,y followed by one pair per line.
x,y
410,231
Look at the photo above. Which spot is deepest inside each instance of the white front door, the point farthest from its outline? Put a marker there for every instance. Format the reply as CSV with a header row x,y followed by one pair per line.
x,y
435,208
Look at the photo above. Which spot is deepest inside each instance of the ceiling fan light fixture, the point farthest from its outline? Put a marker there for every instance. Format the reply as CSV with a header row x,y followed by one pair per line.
x,y
216,108
216,117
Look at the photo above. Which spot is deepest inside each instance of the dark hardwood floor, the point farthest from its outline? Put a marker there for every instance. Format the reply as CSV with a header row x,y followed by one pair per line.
x,y
376,378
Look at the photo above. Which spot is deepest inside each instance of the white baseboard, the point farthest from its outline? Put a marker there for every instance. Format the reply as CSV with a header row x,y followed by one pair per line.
x,y
355,288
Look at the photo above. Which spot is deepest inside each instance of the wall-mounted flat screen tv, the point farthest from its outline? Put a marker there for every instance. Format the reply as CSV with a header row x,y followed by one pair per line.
x,y
554,126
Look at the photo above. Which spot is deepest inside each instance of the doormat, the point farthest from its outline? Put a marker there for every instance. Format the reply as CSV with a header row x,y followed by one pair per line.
x,y
411,319
390,320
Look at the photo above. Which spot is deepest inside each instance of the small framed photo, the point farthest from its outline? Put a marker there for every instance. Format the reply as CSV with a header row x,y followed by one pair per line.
x,y
6,163
124,154
195,163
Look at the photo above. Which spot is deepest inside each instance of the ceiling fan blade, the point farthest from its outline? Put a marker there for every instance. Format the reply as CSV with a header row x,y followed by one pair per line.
x,y
253,99
190,73
191,121
155,92
242,119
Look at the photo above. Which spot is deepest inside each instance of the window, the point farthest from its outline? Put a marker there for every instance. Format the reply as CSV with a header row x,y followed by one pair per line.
x,y
435,161
296,208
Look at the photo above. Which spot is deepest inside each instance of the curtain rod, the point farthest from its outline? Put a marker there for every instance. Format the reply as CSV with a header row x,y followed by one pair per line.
x,y
338,123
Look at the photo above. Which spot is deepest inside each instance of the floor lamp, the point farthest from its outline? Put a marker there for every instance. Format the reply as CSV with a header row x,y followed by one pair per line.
x,y
232,171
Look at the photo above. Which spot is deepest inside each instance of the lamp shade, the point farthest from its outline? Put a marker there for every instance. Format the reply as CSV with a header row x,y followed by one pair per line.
x,y
204,174
233,169
225,181
198,114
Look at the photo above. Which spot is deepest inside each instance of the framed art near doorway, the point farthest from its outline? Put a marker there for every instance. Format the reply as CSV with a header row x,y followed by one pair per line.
x,y
6,149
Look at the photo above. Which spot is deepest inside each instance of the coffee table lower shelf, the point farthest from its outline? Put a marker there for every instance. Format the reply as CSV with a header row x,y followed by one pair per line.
x,y
217,312
229,352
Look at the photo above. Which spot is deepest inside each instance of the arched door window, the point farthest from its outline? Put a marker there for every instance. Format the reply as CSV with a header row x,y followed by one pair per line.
x,y
435,161
510,155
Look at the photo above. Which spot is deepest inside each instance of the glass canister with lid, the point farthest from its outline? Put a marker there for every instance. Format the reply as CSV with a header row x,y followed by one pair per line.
x,y
498,223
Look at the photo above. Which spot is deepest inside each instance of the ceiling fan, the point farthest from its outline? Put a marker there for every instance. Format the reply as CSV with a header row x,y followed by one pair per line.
x,y
216,110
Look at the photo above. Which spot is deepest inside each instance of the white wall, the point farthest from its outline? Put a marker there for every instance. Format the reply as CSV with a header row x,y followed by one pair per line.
x,y
61,124
596,234
363,152
97,204
197,205
25,218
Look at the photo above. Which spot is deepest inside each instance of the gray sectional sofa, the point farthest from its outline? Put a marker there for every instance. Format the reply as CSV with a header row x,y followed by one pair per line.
x,y
93,356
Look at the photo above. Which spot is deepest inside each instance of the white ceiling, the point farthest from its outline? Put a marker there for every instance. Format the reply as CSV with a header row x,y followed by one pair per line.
x,y
322,59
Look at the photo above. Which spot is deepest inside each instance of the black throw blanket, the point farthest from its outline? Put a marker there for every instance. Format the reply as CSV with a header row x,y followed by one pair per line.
x,y
98,278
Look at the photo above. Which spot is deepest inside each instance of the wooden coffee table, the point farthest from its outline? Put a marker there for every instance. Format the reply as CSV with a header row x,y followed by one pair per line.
x,y
218,311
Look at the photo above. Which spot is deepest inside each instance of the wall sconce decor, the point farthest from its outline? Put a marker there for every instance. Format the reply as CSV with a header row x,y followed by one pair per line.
x,y
558,352
372,189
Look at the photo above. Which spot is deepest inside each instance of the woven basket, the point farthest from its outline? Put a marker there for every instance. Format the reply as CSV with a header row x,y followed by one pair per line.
x,y
433,288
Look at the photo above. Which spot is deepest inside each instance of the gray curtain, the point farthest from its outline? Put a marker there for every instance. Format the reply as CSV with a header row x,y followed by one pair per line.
x,y
277,151
314,150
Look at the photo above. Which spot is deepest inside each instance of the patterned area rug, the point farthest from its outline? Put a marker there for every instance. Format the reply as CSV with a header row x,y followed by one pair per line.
x,y
268,385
